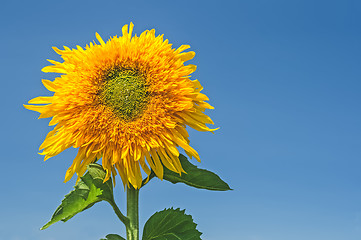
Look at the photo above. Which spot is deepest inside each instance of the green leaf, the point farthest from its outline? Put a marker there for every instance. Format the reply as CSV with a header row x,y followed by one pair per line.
x,y
170,224
196,177
113,237
89,190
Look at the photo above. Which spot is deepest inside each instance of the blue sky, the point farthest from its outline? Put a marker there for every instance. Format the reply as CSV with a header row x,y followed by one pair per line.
x,y
283,76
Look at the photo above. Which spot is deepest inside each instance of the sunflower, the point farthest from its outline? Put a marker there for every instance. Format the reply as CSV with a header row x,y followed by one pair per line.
x,y
127,101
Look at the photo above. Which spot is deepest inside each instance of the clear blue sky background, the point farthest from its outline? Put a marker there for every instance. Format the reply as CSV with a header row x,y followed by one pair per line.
x,y
284,77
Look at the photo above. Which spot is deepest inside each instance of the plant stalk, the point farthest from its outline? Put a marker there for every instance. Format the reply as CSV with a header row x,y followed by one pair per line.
x,y
132,213
119,214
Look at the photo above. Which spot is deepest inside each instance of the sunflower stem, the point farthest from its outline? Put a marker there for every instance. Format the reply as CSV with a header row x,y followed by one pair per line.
x,y
132,212
119,214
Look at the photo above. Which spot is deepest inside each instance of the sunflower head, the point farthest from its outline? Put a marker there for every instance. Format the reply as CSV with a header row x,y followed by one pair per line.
x,y
127,101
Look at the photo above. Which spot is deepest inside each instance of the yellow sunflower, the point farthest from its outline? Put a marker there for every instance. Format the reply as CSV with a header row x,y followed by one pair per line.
x,y
127,101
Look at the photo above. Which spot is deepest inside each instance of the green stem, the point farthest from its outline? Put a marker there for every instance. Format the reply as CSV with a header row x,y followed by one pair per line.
x,y
120,215
132,212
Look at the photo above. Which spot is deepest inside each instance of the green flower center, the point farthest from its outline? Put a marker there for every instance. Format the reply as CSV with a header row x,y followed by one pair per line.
x,y
125,92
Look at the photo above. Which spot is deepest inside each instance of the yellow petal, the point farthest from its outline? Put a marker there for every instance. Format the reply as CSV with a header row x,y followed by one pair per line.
x,y
192,67
51,86
41,100
182,48
39,109
131,26
99,39
125,30
187,56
